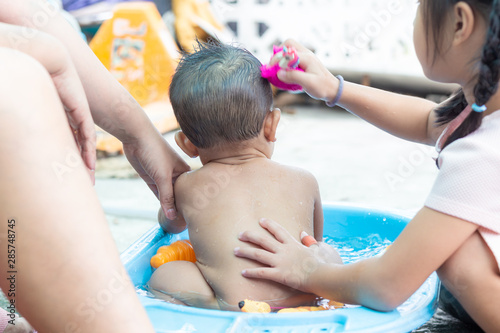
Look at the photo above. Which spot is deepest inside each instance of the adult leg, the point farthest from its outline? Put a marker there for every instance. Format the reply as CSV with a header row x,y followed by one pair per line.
x,y
181,282
66,274
472,277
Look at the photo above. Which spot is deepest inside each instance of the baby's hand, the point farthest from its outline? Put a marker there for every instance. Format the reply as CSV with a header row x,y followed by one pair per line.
x,y
316,80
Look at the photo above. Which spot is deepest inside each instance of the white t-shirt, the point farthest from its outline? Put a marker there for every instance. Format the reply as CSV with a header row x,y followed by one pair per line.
x,y
468,183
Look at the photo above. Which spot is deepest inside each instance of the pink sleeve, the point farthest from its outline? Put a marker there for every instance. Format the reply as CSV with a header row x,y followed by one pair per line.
x,y
468,183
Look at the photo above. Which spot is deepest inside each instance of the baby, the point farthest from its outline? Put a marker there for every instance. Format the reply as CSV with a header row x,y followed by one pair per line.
x,y
224,108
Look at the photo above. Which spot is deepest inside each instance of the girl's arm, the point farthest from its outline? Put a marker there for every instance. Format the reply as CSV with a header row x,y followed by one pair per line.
x,y
381,283
407,117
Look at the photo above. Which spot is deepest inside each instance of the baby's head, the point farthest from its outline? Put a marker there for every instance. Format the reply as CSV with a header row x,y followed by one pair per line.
x,y
219,96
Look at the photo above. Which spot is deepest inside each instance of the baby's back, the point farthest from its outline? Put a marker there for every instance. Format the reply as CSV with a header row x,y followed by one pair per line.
x,y
220,201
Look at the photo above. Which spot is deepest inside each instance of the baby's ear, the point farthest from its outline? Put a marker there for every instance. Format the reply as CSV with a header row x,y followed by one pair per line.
x,y
271,124
186,145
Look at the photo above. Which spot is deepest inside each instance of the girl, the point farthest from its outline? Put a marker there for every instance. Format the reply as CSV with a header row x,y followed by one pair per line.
x,y
457,232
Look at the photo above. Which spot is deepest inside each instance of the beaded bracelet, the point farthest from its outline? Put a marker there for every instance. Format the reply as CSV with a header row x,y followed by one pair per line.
x,y
339,92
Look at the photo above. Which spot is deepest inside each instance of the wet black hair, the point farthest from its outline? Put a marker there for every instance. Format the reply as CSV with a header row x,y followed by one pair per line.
x,y
435,12
219,96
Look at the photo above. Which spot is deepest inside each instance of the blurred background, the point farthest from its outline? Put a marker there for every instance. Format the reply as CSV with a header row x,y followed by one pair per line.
x,y
366,41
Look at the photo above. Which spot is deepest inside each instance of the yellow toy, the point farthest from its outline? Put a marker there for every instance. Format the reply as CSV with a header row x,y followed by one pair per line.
x,y
137,48
179,250
254,306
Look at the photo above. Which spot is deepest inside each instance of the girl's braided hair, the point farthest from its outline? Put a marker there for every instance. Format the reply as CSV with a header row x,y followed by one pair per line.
x,y
489,65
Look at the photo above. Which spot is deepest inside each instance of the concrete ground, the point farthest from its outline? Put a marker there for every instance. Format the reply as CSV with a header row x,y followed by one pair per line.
x,y
353,162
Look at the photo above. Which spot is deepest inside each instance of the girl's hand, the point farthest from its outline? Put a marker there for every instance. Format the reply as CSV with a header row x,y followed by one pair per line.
x,y
159,166
289,262
316,80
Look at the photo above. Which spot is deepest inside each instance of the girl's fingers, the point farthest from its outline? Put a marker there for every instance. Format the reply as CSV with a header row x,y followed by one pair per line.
x,y
293,43
280,233
273,274
259,255
264,241
262,273
291,76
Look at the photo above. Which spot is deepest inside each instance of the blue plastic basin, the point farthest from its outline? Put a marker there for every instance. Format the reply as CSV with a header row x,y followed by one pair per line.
x,y
343,222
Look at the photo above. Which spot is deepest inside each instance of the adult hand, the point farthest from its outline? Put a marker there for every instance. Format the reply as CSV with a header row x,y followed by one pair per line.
x,y
288,261
73,98
159,166
316,80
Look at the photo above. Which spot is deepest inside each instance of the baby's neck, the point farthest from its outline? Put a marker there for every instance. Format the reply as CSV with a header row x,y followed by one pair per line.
x,y
234,156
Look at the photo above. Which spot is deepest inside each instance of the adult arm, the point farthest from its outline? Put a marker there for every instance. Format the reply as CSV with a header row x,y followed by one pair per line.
x,y
112,107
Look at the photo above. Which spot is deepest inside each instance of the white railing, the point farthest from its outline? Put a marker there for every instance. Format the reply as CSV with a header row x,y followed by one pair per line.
x,y
351,37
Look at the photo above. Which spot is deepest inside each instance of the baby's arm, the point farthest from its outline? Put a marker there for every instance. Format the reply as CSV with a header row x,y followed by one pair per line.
x,y
177,225
318,213
407,117
326,251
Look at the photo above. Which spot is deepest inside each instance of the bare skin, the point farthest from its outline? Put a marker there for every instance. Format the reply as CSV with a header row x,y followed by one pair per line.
x,y
236,186
432,241
111,106
65,262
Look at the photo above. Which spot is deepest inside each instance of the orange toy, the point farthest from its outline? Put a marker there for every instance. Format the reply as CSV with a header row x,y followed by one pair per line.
x,y
136,47
262,307
303,309
180,250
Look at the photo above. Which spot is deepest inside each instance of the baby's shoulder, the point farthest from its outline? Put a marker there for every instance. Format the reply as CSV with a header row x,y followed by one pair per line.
x,y
297,174
185,182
